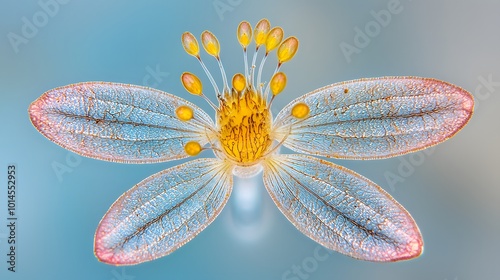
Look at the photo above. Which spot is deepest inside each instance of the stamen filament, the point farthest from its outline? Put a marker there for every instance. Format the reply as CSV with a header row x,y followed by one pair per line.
x,y
271,101
210,102
262,62
212,81
244,33
245,58
223,73
204,124
254,59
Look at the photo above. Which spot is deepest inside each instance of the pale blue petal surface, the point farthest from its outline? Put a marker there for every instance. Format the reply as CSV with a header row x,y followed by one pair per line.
x,y
118,122
376,118
163,212
341,210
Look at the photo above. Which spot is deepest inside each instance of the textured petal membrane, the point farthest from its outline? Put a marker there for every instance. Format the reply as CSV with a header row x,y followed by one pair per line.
x,y
376,118
163,212
118,122
341,210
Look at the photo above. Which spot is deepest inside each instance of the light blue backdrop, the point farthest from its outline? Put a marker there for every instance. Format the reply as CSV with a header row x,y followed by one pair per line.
x,y
451,191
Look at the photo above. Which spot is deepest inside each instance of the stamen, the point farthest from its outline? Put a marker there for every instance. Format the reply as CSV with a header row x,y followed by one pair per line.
x,y
245,59
259,83
194,86
212,47
244,34
223,73
190,44
274,38
210,103
252,70
206,125
210,77
210,43
192,83
184,113
261,30
192,148
287,50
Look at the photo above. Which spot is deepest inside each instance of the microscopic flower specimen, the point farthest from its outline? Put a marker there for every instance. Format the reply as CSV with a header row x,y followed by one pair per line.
x,y
371,118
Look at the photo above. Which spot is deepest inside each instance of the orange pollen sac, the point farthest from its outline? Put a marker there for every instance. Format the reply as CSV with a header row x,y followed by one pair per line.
x,y
244,121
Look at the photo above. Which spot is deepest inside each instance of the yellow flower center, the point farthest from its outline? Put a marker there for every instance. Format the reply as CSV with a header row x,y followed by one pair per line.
x,y
243,133
244,121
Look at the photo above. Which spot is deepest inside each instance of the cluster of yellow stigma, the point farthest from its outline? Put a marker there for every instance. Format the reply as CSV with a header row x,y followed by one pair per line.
x,y
243,112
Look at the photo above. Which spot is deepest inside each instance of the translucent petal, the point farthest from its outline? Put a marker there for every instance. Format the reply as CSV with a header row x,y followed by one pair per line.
x,y
163,212
341,210
376,118
118,122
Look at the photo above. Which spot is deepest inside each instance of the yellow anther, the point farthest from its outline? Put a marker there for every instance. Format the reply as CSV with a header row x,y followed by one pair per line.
x,y
184,113
239,82
192,148
244,34
300,110
191,83
210,43
278,83
190,44
287,49
274,38
261,30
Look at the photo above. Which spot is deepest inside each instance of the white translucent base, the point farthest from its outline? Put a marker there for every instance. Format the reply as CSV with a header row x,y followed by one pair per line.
x,y
247,171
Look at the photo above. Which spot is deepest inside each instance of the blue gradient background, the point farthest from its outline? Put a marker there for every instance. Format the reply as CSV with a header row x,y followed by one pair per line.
x,y
453,195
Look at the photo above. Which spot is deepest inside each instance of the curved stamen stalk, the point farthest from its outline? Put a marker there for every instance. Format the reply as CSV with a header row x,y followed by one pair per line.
x,y
205,125
194,86
224,77
210,77
273,40
259,75
252,70
245,59
244,34
261,30
191,46
212,47
210,103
